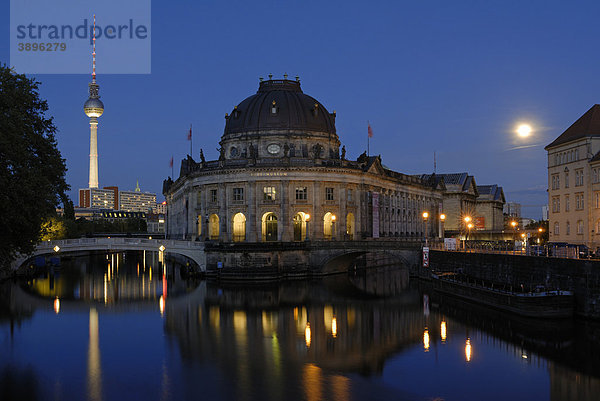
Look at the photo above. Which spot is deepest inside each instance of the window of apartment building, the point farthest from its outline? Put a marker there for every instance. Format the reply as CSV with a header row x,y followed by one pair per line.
x,y
579,202
598,227
269,193
567,203
556,204
555,181
556,228
566,179
213,195
301,193
238,194
595,175
568,228
576,154
597,198
579,177
329,194
349,192
580,227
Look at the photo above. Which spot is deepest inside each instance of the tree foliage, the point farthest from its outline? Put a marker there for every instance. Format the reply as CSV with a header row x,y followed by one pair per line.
x,y
32,171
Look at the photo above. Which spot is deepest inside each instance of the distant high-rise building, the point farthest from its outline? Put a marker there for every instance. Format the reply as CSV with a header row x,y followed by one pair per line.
x,y
136,201
513,209
96,198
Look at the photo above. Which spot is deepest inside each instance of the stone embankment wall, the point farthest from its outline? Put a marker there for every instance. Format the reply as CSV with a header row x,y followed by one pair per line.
x,y
581,276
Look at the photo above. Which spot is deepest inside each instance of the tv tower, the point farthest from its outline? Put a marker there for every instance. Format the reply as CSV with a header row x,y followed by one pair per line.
x,y
93,108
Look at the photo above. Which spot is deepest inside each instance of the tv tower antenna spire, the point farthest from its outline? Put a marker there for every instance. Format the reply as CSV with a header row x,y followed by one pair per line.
x,y
94,51
93,108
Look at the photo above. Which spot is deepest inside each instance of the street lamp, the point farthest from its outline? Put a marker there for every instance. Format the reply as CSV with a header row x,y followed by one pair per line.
x,y
333,227
514,225
425,217
540,231
468,224
469,227
306,219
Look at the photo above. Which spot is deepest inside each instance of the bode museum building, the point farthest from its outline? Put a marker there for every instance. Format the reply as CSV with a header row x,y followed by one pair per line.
x,y
282,175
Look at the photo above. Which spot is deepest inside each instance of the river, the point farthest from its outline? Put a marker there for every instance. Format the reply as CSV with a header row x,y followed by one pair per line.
x,y
131,327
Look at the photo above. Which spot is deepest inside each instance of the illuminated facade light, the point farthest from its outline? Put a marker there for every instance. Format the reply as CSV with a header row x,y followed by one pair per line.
x,y
426,340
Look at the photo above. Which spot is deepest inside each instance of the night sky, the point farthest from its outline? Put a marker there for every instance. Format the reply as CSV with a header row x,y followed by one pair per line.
x,y
453,78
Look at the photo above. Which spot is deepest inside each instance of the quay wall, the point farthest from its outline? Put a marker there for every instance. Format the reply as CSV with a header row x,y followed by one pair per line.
x,y
582,276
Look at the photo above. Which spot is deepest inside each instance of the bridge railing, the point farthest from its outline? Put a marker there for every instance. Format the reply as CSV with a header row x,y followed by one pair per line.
x,y
87,242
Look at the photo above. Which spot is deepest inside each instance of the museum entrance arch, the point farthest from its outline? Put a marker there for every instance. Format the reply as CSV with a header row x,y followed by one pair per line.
x,y
239,227
269,227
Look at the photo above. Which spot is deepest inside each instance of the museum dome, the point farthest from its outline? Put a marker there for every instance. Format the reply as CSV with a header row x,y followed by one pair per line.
x,y
279,104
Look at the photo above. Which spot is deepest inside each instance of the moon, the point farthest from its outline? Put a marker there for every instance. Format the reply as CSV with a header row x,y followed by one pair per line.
x,y
524,130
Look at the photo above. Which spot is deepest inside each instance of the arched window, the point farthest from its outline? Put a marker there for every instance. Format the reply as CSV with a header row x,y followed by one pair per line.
x,y
269,227
213,226
329,225
239,227
350,226
300,225
199,221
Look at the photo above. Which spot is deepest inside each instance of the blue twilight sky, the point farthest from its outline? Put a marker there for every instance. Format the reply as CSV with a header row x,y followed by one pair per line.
x,y
431,76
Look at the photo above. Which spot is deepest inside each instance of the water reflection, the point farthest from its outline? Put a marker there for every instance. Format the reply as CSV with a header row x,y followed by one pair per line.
x,y
359,336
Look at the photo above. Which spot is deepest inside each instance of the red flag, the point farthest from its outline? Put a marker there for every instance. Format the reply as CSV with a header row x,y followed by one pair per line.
x,y
190,134
370,131
171,162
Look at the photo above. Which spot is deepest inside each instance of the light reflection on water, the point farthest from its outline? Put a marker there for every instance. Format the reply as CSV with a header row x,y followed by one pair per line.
x,y
103,328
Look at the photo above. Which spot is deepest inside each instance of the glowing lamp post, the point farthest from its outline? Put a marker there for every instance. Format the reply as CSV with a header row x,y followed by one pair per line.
x,y
425,218
442,221
333,227
468,225
307,219
514,225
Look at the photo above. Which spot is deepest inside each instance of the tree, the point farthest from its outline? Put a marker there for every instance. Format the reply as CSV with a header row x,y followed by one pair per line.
x,y
32,171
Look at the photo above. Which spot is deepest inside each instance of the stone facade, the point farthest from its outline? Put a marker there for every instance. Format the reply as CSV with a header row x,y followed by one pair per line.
x,y
574,184
281,176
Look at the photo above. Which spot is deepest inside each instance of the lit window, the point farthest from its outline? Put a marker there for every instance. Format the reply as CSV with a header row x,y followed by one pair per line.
x,y
269,193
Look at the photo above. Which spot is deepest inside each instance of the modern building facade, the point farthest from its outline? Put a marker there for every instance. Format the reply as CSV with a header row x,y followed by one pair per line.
x,y
282,175
112,198
574,182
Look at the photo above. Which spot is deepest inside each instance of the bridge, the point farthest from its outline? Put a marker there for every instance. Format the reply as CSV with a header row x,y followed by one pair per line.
x,y
193,250
316,257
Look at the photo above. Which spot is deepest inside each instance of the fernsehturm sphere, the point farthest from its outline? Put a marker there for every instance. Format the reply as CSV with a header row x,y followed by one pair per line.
x,y
93,108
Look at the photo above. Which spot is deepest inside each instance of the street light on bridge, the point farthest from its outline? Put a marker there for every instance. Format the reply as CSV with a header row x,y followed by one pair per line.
x,y
425,218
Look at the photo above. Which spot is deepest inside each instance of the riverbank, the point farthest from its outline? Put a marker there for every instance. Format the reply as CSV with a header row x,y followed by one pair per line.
x,y
581,276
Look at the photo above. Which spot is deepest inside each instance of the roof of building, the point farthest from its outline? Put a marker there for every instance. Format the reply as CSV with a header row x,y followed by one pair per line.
x,y
491,192
587,125
294,110
462,180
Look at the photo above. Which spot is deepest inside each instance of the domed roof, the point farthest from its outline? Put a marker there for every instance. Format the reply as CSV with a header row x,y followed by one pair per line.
x,y
93,107
280,104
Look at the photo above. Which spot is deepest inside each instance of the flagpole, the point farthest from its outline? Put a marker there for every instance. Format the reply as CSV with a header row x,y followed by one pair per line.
x,y
191,153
